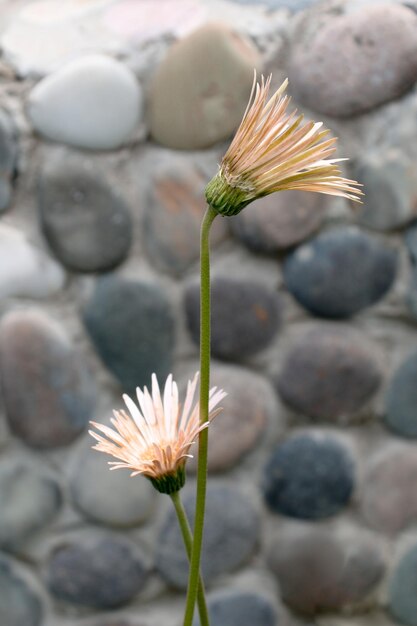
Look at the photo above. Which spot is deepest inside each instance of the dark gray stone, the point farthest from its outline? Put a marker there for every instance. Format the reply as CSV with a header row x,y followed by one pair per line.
x,y
320,571
402,593
132,327
279,221
19,605
30,499
410,238
113,498
411,297
308,477
240,608
8,156
374,41
231,532
86,222
340,272
48,392
245,317
330,373
102,574
401,400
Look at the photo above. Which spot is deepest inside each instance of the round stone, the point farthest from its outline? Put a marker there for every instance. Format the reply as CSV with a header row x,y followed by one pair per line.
x,y
87,223
390,187
8,156
330,373
138,22
248,407
93,102
389,499
410,239
231,532
30,500
214,67
401,399
245,317
173,213
411,296
340,272
40,37
26,271
291,5
279,221
319,571
239,608
402,596
18,603
48,392
132,327
113,498
374,41
308,477
101,574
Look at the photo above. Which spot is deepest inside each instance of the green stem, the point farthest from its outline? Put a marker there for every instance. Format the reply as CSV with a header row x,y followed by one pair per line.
x,y
204,414
188,542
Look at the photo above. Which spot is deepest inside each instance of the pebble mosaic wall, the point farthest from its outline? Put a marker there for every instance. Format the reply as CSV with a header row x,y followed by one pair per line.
x,y
113,116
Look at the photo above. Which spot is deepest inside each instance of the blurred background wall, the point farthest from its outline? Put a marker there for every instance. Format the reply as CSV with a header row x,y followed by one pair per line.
x,y
113,117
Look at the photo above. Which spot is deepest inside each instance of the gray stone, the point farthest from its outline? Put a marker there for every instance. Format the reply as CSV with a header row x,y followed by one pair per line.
x,y
48,393
109,497
308,477
292,5
103,574
330,373
402,595
374,49
19,605
30,500
319,571
279,221
411,296
37,39
26,271
388,499
214,67
87,223
231,532
240,608
173,213
8,156
390,188
93,102
132,327
248,407
401,399
340,272
245,317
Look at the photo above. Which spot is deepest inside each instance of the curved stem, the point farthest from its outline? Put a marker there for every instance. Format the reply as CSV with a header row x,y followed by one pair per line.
x,y
204,414
188,542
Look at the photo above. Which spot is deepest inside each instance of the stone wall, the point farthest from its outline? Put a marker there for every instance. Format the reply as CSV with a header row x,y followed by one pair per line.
x,y
113,117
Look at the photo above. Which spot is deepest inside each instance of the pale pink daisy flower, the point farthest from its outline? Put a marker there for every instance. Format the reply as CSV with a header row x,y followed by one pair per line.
x,y
274,150
155,436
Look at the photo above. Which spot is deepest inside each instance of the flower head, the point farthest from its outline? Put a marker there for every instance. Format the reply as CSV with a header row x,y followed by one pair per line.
x,y
275,150
154,438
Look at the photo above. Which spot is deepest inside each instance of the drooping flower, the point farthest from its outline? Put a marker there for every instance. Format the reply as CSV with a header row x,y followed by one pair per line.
x,y
155,436
274,150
